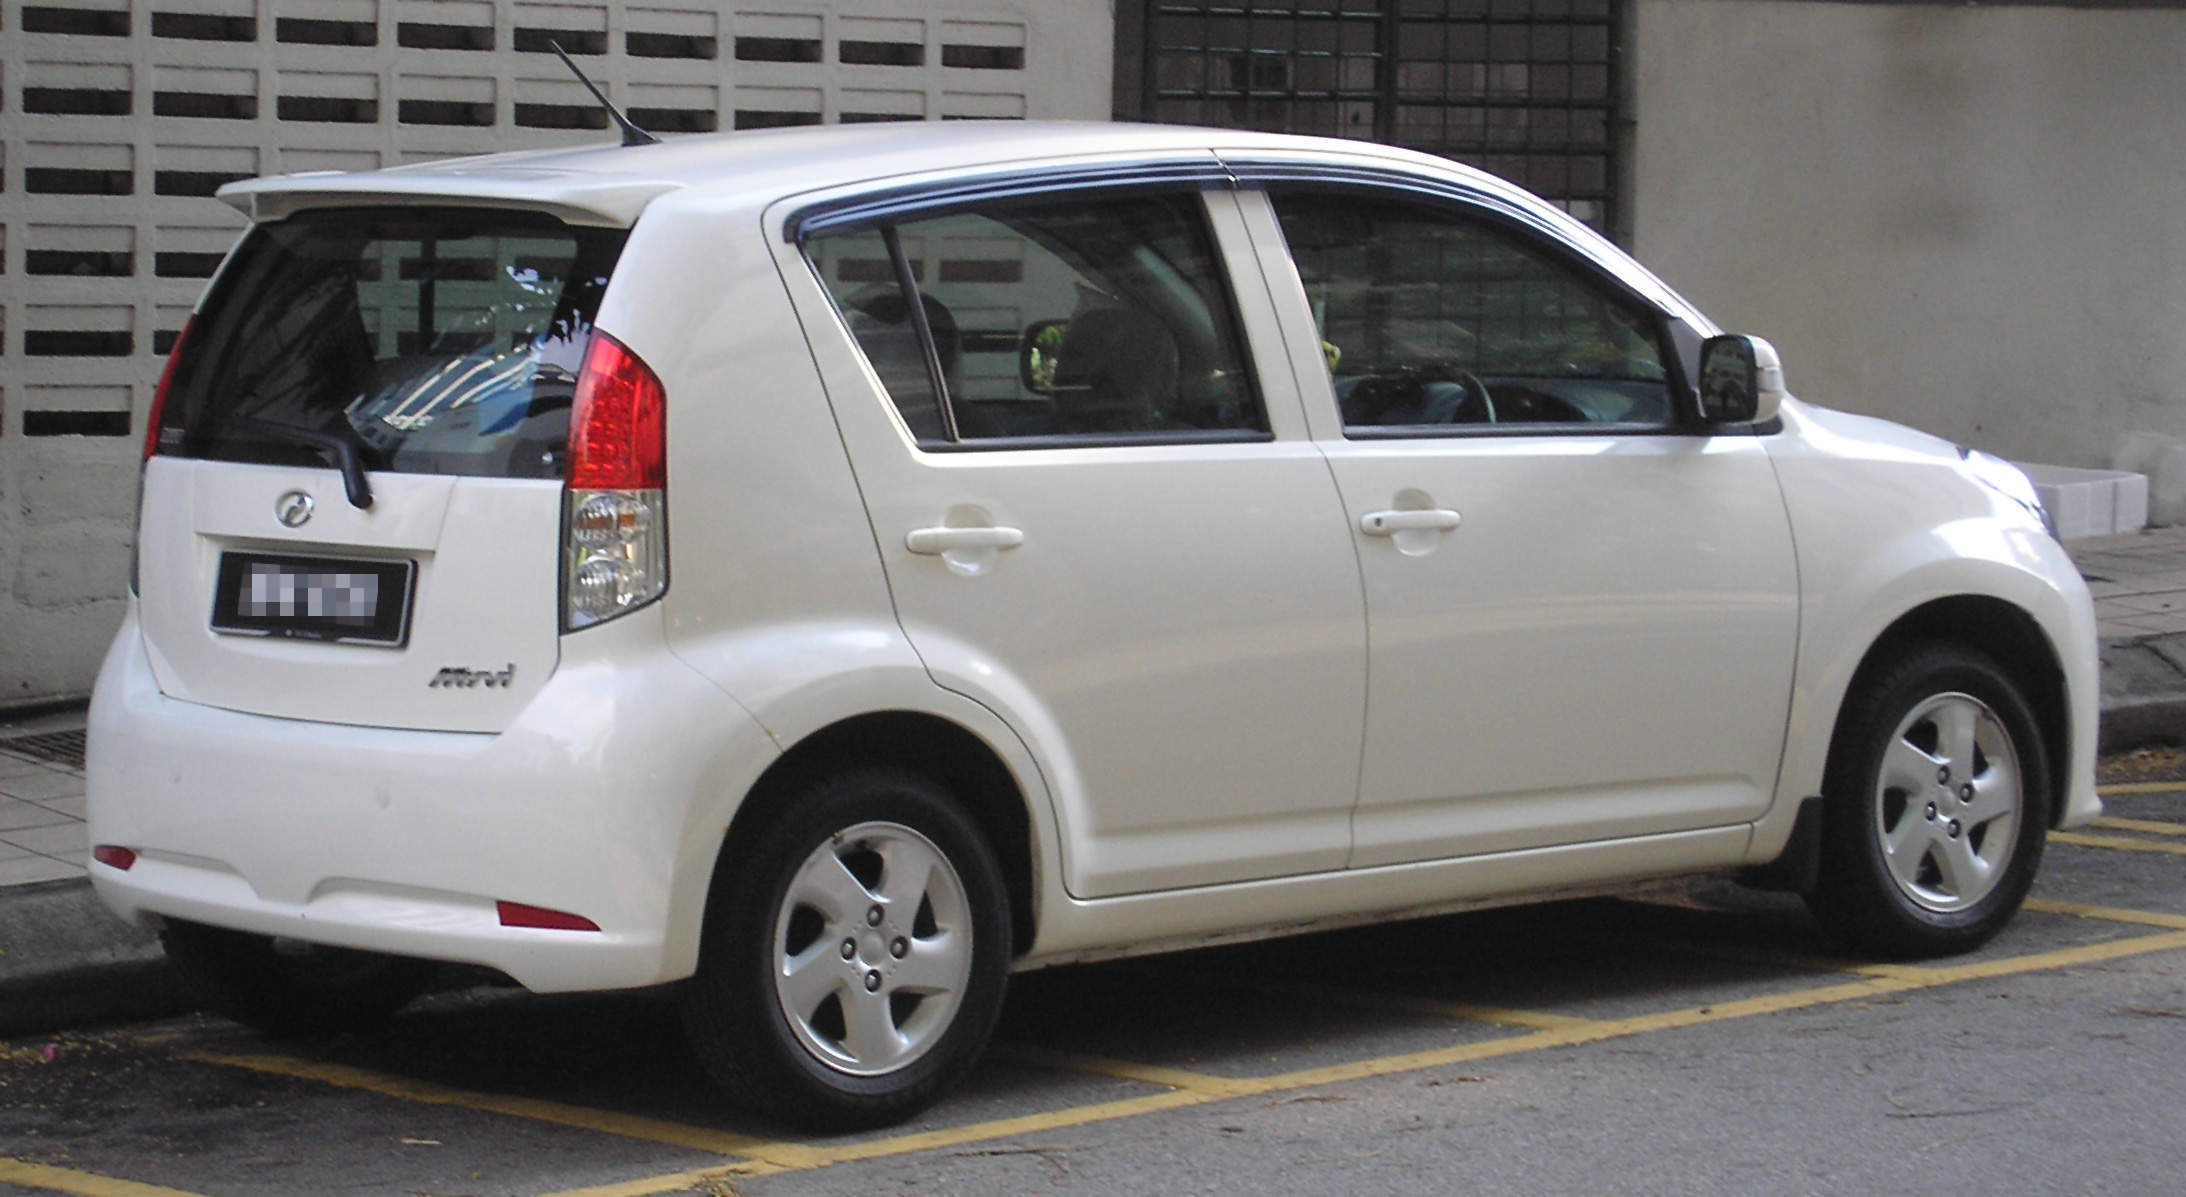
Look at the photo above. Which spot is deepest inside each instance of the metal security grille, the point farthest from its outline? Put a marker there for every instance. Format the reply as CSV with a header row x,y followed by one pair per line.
x,y
1526,89
62,747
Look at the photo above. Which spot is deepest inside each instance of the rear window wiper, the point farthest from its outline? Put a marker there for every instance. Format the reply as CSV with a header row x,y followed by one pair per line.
x,y
346,453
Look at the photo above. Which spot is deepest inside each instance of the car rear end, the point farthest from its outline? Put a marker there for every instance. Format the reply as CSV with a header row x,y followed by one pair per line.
x,y
393,676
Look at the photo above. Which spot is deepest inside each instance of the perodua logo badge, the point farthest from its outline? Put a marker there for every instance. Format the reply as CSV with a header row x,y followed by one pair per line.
x,y
293,509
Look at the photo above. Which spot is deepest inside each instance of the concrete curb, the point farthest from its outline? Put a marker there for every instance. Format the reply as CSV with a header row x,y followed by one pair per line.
x,y
66,961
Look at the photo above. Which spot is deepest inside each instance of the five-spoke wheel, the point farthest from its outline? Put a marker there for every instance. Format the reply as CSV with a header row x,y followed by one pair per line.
x,y
1937,799
1947,802
855,953
872,948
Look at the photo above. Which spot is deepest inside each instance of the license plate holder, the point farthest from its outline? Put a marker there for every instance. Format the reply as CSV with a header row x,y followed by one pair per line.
x,y
338,599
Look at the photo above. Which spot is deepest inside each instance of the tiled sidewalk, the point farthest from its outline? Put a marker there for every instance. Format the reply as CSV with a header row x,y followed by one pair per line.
x,y
2139,581
42,835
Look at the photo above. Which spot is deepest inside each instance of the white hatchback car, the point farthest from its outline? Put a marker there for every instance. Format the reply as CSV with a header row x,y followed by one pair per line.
x,y
835,568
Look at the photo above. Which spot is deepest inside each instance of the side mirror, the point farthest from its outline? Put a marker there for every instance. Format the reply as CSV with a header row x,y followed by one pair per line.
x,y
1741,380
1038,351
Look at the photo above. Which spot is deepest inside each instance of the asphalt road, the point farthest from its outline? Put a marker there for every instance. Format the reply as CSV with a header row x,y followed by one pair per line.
x,y
1702,1041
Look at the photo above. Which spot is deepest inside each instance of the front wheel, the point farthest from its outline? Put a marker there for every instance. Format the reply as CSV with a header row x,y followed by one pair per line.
x,y
1936,804
854,957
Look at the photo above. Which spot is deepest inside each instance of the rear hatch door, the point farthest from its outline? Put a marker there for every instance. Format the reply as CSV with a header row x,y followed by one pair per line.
x,y
352,512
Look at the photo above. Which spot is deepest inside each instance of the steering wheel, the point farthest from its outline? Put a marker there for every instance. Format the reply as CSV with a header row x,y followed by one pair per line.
x,y
1472,383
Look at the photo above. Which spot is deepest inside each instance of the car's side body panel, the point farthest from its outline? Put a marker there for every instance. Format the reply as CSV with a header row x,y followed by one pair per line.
x,y
1158,587
1887,519
1583,606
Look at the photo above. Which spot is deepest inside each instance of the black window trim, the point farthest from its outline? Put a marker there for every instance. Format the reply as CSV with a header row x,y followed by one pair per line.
x,y
885,209
1677,340
869,209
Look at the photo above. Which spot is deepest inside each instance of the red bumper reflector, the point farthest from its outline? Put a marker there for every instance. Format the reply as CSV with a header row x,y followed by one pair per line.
x,y
516,914
113,857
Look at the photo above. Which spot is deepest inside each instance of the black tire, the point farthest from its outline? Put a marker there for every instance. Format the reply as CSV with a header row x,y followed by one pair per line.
x,y
1949,884
291,990
805,1066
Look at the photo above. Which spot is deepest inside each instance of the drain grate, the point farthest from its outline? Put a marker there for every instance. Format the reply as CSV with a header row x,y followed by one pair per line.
x,y
61,747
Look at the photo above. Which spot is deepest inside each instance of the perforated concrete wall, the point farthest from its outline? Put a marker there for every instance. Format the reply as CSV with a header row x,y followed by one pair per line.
x,y
119,118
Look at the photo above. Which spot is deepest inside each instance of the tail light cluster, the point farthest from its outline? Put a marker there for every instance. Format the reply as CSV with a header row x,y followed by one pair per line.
x,y
615,555
152,421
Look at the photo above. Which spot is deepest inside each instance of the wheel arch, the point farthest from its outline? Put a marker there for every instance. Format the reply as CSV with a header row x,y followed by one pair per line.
x,y
952,755
2004,631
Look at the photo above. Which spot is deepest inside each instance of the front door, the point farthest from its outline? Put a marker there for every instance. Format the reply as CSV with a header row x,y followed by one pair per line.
x,y
1091,524
1582,610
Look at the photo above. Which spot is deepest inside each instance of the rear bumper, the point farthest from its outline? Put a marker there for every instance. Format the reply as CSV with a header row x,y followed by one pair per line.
x,y
605,799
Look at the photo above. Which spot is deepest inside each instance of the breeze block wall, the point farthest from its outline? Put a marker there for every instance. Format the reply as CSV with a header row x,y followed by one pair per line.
x,y
119,119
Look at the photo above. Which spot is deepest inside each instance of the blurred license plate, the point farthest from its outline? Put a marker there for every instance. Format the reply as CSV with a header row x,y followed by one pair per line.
x,y
314,598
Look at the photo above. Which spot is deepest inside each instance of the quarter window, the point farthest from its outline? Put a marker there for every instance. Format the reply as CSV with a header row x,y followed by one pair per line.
x,y
1047,317
1433,318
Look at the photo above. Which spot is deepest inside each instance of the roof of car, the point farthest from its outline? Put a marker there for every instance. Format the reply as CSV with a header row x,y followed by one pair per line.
x,y
612,184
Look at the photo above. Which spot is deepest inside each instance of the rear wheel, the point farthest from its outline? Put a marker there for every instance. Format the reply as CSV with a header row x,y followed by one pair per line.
x,y
854,957
290,988
1935,806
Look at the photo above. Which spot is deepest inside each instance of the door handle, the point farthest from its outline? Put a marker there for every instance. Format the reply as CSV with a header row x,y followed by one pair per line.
x,y
1389,523
933,542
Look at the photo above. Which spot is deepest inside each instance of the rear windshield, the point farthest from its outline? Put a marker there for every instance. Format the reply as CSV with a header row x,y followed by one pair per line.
x,y
433,340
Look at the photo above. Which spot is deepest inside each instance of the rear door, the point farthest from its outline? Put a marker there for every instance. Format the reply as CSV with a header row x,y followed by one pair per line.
x,y
1090,522
353,508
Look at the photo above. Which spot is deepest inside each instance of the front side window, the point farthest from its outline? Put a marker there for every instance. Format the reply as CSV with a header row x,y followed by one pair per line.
x,y
431,340
1430,317
1051,316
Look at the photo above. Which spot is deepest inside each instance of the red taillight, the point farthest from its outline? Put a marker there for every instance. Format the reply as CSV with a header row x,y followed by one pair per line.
x,y
113,857
617,422
159,396
516,914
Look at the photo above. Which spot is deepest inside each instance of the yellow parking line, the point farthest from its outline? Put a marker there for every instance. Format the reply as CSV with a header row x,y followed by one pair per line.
x,y
2118,843
2144,826
2143,787
83,1184
2145,918
1150,1074
628,1126
1906,979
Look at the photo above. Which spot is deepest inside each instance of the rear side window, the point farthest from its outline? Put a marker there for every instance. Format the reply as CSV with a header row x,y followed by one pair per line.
x,y
433,340
1078,316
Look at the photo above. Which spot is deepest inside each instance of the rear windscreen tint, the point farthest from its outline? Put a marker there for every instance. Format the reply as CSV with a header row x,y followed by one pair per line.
x,y
434,340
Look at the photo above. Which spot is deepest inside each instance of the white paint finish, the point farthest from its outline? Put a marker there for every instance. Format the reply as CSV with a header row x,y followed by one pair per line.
x,y
1184,620
486,592
1179,634
1961,217
1139,924
1552,669
1156,587
1545,642
400,841
1888,519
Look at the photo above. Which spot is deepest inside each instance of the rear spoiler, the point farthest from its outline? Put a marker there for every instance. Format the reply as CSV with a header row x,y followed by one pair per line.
x,y
576,197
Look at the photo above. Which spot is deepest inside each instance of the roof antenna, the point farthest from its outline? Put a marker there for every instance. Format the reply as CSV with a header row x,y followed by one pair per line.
x,y
631,134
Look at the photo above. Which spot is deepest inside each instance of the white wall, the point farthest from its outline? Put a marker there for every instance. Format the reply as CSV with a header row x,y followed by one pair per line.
x,y
1969,219
66,500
